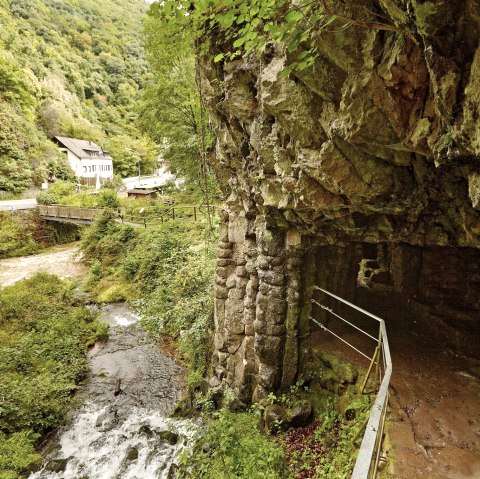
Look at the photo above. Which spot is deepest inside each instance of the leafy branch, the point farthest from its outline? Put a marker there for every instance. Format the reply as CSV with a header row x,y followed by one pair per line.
x,y
248,26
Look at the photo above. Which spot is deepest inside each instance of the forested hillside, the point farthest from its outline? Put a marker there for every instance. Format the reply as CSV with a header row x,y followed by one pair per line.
x,y
74,68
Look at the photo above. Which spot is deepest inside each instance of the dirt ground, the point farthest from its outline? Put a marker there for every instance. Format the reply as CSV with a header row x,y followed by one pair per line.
x,y
433,429
60,260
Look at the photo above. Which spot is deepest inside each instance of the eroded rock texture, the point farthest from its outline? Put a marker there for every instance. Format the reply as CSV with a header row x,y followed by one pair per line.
x,y
372,156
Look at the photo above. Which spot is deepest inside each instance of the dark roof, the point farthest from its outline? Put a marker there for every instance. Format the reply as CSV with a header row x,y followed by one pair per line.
x,y
138,191
80,147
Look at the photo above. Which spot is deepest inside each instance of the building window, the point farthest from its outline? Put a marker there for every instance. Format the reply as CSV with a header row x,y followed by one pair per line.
x,y
84,169
89,168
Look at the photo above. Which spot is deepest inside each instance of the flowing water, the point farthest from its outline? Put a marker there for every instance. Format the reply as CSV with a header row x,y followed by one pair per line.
x,y
64,261
122,430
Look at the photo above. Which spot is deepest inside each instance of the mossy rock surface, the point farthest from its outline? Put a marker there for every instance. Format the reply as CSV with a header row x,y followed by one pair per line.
x,y
328,367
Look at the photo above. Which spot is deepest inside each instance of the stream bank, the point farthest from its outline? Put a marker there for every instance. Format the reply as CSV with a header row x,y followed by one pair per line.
x,y
122,430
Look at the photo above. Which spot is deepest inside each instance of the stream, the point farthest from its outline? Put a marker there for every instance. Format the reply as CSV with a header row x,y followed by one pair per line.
x,y
122,430
121,427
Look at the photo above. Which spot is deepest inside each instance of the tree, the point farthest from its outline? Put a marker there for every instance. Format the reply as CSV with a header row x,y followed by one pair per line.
x,y
132,155
171,111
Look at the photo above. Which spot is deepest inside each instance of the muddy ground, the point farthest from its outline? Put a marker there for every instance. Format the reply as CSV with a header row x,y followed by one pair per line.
x,y
433,427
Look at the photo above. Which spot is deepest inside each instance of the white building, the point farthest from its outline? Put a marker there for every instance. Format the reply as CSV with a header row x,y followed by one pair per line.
x,y
88,161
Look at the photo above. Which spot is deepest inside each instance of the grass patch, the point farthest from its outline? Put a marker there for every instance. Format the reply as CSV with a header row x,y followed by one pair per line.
x,y
44,335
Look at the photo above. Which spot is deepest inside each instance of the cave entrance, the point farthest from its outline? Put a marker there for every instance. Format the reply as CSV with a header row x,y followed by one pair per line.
x,y
429,298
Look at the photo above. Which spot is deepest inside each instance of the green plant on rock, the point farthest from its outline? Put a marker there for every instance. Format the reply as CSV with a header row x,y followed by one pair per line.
x,y
102,331
232,445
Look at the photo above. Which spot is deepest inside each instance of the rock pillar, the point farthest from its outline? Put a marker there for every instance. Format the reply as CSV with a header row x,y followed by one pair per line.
x,y
257,307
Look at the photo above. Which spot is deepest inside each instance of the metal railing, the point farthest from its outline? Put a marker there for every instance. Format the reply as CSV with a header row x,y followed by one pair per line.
x,y
177,213
366,466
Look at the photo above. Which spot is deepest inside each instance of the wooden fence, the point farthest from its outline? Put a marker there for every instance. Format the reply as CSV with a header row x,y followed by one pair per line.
x,y
143,217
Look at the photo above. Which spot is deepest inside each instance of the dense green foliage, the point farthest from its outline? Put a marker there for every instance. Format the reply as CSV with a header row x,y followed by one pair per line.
x,y
232,445
26,234
249,25
72,69
16,236
44,334
167,270
65,193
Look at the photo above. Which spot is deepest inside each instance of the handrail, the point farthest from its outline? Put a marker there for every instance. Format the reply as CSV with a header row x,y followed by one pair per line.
x,y
369,453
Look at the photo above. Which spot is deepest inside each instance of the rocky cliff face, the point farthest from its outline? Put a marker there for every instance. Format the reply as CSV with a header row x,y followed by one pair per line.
x,y
366,169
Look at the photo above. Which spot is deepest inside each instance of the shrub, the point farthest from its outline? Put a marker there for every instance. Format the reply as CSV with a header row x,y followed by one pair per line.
x,y
56,191
87,200
108,199
47,198
16,236
233,445
44,334
95,272
17,453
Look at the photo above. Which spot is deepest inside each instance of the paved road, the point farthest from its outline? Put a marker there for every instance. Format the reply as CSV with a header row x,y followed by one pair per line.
x,y
10,205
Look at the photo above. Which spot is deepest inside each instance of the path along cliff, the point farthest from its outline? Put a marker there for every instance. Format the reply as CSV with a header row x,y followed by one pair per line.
x,y
363,170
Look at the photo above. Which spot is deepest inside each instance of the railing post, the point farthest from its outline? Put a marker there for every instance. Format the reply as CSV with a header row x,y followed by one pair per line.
x,y
194,213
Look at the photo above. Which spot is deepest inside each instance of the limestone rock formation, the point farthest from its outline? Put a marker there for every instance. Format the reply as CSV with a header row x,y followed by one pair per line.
x,y
372,156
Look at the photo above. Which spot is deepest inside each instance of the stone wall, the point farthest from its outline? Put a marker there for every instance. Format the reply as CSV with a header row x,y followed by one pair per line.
x,y
378,145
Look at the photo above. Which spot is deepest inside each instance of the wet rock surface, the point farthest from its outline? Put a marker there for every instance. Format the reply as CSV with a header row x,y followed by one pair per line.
x,y
148,378
122,431
372,156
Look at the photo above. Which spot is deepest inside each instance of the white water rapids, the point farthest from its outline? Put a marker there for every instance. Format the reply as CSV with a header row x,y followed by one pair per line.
x,y
122,431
